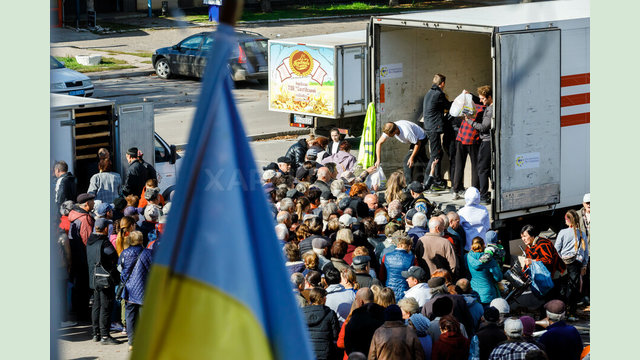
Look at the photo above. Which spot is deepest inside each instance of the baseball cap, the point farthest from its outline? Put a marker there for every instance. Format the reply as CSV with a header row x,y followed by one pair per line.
x,y
103,209
416,272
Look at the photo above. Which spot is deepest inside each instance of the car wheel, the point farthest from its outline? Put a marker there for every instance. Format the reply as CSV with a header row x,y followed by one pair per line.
x,y
162,68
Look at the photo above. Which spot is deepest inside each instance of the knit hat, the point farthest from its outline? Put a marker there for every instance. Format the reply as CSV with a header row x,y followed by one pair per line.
x,y
133,152
491,314
421,206
410,214
501,304
392,313
528,325
555,310
513,327
421,323
151,213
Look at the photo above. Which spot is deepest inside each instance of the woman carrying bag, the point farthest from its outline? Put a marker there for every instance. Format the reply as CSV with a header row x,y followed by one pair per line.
x,y
573,249
485,272
135,263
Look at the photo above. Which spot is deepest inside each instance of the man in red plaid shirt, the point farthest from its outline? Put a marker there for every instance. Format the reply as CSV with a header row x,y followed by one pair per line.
x,y
467,143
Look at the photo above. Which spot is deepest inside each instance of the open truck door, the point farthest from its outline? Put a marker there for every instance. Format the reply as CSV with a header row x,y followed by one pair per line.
x,y
527,131
134,128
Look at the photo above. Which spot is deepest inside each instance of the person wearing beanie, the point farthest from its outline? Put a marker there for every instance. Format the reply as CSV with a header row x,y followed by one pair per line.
x,y
561,341
439,289
419,322
394,339
489,335
515,348
528,327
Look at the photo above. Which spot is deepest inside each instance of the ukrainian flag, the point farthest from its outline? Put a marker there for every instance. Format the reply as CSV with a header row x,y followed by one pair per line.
x,y
218,287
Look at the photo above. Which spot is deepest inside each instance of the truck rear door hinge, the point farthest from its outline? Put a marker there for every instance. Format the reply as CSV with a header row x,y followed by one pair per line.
x,y
68,123
349,102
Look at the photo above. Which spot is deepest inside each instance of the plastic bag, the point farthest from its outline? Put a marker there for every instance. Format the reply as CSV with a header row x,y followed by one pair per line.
x,y
463,104
541,281
376,180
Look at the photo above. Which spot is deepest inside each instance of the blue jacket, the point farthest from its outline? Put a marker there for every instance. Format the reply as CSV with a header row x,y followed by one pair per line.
x,y
484,276
395,263
562,341
416,233
135,273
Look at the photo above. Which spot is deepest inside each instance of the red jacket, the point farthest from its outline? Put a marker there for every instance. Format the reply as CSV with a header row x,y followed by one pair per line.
x,y
450,346
543,250
86,223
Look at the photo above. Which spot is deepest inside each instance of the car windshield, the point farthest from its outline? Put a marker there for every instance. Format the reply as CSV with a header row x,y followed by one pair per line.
x,y
55,64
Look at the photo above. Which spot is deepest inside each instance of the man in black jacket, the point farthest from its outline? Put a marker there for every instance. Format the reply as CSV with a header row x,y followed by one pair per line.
x,y
365,319
297,153
100,251
136,174
65,183
433,107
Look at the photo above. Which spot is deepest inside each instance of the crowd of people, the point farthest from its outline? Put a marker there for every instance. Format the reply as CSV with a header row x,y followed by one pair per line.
x,y
106,240
387,275
378,270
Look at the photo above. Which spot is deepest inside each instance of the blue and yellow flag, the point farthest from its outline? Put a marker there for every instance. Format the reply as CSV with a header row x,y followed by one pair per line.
x,y
367,151
218,288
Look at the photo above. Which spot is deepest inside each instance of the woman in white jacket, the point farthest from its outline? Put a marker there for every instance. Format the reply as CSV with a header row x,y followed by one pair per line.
x,y
573,248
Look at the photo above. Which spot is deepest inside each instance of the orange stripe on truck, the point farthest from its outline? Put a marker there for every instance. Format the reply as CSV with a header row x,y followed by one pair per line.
x,y
575,119
576,99
577,79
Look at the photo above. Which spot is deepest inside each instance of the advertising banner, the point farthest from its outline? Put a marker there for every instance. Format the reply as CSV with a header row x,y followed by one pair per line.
x,y
301,79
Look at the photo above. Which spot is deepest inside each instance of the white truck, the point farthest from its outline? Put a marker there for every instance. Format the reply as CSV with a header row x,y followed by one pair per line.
x,y
536,58
81,126
321,80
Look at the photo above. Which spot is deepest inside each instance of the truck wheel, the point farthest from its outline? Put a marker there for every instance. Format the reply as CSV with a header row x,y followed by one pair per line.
x,y
167,193
162,68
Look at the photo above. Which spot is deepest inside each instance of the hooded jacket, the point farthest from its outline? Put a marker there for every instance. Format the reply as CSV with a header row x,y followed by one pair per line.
x,y
474,217
81,224
323,330
337,296
484,276
451,346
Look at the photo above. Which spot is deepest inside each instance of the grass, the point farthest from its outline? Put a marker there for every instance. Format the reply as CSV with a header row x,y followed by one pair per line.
x,y
106,64
114,52
302,11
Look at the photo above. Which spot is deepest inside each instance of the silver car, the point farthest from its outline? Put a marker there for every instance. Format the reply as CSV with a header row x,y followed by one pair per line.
x,y
67,81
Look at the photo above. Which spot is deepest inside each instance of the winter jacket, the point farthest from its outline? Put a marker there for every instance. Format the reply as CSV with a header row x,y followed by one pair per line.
x,y
100,250
135,179
361,327
436,252
339,300
366,280
562,341
323,330
484,276
489,336
474,217
344,161
81,225
65,189
294,267
134,288
416,233
475,308
395,340
339,264
393,264
450,346
433,106
543,250
297,153
105,186
421,292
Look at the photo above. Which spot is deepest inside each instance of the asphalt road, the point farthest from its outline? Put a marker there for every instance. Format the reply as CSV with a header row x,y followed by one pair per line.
x,y
175,102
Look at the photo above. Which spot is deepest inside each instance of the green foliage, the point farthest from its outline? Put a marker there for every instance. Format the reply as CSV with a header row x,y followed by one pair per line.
x,y
106,64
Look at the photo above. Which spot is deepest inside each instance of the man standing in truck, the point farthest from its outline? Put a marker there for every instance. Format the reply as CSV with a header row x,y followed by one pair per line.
x,y
433,107
484,151
406,132
136,174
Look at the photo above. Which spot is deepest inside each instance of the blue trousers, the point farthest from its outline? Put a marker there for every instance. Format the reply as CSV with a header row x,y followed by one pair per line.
x,y
132,312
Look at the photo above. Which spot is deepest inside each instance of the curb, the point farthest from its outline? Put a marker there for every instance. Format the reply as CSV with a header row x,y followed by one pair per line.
x,y
121,75
182,147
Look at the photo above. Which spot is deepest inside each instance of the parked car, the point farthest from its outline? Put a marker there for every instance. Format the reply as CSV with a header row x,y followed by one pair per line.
x,y
67,81
189,57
